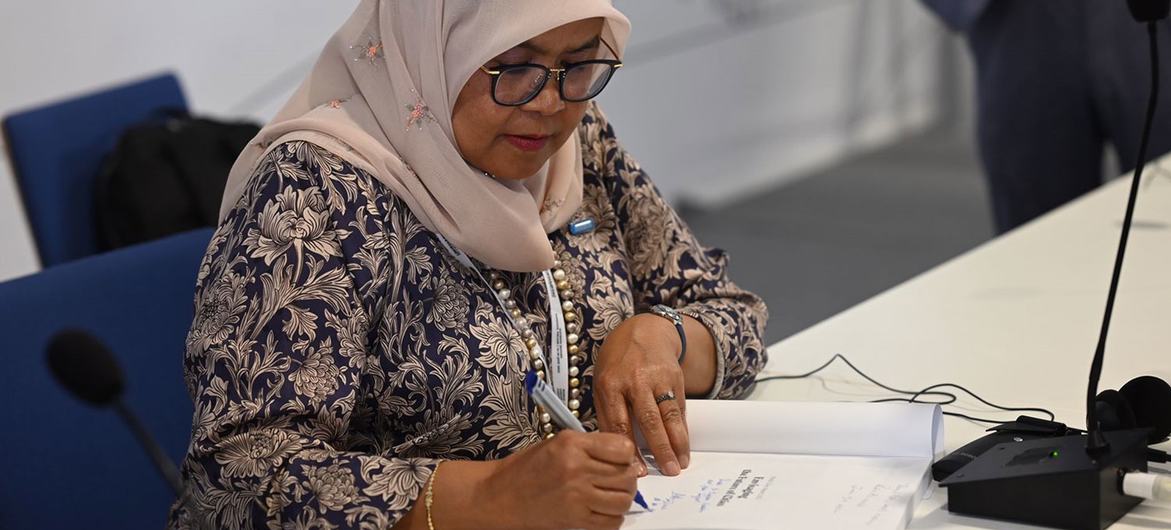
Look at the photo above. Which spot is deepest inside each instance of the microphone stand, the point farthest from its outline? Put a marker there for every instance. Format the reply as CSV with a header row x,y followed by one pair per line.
x,y
1095,442
157,456
161,462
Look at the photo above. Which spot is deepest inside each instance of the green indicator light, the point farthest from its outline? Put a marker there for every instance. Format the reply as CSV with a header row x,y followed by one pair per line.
x,y
1053,454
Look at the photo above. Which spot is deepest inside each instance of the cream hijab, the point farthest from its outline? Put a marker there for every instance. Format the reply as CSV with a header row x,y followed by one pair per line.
x,y
381,97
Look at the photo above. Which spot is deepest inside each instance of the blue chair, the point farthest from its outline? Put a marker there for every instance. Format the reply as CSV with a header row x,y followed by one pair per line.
x,y
57,152
65,464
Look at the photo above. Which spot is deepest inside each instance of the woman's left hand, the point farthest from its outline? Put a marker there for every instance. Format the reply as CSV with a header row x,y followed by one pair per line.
x,y
637,365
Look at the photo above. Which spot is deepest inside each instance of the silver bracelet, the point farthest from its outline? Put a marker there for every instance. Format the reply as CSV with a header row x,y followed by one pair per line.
x,y
671,314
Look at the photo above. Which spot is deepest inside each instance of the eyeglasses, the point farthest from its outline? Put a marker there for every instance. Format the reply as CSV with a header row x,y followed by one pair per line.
x,y
514,85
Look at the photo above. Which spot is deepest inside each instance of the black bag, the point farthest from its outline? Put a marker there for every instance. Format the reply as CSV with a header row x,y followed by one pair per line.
x,y
166,176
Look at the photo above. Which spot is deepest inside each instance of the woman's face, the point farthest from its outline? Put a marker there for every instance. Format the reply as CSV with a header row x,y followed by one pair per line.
x,y
512,143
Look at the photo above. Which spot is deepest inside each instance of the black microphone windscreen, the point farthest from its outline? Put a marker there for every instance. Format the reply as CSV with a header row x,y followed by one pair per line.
x,y
1149,10
1150,399
84,366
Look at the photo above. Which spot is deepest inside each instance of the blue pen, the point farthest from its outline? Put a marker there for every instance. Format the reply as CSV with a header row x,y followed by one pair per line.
x,y
544,396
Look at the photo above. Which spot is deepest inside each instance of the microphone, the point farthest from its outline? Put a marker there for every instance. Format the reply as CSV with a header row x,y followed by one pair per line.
x,y
1075,481
1148,10
87,369
1145,12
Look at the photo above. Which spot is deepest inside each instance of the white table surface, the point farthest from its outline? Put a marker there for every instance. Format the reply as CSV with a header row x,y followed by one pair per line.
x,y
1015,320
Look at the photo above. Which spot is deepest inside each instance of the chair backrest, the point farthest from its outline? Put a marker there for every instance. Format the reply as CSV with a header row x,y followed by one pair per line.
x,y
57,152
64,464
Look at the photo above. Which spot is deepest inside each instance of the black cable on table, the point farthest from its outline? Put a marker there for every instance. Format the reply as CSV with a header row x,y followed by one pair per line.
x,y
949,398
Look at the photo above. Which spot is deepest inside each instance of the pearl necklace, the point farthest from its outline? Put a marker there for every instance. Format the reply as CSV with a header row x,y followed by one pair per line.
x,y
536,354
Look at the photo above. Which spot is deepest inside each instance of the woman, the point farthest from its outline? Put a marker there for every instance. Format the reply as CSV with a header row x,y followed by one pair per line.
x,y
434,215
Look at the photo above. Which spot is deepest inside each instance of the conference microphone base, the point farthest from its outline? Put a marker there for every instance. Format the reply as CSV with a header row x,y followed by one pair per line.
x,y
1050,481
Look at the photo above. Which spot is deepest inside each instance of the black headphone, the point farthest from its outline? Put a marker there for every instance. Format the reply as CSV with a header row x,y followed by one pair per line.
x,y
1143,402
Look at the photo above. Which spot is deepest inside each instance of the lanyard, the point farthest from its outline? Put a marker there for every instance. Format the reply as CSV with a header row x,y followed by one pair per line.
x,y
557,355
558,347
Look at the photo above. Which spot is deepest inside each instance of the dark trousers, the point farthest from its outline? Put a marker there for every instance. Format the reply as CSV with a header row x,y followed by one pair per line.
x,y
1059,81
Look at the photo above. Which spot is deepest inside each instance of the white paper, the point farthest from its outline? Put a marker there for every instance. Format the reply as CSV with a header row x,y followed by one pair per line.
x,y
767,465
816,428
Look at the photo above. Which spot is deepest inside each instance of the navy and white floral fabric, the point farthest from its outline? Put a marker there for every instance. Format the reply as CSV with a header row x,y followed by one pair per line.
x,y
338,352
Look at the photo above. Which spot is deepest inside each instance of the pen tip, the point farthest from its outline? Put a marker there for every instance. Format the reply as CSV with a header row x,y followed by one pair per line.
x,y
640,501
530,381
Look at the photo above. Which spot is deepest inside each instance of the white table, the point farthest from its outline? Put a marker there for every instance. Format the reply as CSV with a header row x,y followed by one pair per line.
x,y
1015,320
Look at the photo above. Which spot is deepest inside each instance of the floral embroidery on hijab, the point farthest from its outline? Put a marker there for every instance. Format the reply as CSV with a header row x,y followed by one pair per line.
x,y
419,113
371,51
551,204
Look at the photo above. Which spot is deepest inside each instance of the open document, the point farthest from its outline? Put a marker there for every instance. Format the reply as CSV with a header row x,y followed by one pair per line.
x,y
768,465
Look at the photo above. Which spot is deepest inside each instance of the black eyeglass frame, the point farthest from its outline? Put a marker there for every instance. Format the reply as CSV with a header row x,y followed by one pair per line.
x,y
614,65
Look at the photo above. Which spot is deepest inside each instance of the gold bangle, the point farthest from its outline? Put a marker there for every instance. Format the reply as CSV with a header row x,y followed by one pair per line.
x,y
429,495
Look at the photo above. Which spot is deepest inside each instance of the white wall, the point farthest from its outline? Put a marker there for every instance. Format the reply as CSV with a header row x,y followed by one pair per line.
x,y
721,97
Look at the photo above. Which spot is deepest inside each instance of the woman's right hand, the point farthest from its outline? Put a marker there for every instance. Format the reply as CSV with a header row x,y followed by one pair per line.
x,y
574,480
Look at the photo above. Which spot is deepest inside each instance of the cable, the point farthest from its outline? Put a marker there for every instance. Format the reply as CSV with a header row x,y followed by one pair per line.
x,y
928,391
982,400
860,372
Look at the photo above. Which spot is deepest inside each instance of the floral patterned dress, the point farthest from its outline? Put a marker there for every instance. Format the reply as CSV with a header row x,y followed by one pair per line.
x,y
338,352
